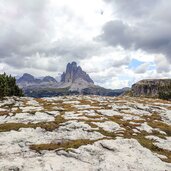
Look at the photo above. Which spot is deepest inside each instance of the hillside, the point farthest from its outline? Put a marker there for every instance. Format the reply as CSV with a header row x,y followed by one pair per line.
x,y
155,88
85,133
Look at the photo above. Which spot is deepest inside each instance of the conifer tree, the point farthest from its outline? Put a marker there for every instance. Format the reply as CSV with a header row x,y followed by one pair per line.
x,y
8,86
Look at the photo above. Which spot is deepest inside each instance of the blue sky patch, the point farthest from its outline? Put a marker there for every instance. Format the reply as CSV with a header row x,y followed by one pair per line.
x,y
134,63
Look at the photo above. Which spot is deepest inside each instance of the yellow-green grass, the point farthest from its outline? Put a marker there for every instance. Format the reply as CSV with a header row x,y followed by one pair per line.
x,y
48,126
162,126
66,145
149,144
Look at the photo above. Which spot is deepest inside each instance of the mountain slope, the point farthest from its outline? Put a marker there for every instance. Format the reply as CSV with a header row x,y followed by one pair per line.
x,y
75,73
156,88
75,78
73,81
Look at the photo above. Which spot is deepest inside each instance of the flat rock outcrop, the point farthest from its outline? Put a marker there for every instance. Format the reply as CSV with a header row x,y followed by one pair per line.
x,y
158,88
77,133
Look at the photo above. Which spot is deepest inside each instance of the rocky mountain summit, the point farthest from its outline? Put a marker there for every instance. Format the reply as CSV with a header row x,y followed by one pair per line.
x,y
157,88
27,79
85,133
75,73
73,81
75,78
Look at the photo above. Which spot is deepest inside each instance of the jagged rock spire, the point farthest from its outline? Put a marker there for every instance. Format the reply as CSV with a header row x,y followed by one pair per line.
x,y
73,73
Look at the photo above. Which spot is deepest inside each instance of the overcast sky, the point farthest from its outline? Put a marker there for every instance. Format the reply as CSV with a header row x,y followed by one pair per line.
x,y
117,42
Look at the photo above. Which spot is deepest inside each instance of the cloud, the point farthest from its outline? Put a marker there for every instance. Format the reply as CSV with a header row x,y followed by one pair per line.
x,y
117,33
150,37
150,33
133,8
23,24
41,36
162,64
142,68
122,62
55,29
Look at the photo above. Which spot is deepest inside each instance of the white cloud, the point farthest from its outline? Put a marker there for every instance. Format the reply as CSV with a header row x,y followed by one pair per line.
x,y
40,37
162,64
142,68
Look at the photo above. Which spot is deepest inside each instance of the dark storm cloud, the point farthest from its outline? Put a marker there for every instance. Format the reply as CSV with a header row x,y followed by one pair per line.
x,y
60,52
22,25
151,37
74,48
26,29
122,62
117,33
133,8
151,32
30,27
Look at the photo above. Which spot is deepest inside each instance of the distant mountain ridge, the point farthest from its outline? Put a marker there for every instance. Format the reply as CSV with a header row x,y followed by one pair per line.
x,y
30,80
49,79
73,81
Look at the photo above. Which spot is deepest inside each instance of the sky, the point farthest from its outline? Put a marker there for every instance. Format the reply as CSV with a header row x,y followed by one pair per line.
x,y
117,42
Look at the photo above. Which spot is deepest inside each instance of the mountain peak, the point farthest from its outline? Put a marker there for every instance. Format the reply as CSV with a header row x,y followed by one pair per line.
x,y
74,63
49,79
26,78
74,73
29,80
27,75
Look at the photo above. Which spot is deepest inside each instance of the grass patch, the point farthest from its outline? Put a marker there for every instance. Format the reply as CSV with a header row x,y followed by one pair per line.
x,y
48,126
93,117
17,111
14,126
153,117
86,102
8,106
149,144
92,125
162,126
2,113
68,107
49,105
158,134
61,145
107,133
59,119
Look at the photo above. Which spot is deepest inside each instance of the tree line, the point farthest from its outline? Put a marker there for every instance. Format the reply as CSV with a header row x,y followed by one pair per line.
x,y
165,92
8,86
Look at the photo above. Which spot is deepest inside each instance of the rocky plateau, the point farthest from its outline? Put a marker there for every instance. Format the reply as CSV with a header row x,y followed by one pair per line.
x,y
85,133
154,88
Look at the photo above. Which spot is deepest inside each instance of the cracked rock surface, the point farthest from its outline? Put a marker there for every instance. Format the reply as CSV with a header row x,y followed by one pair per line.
x,y
85,133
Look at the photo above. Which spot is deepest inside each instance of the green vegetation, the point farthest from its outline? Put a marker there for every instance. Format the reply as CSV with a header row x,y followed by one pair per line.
x,y
39,92
101,91
152,147
61,145
48,126
162,126
8,86
165,92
